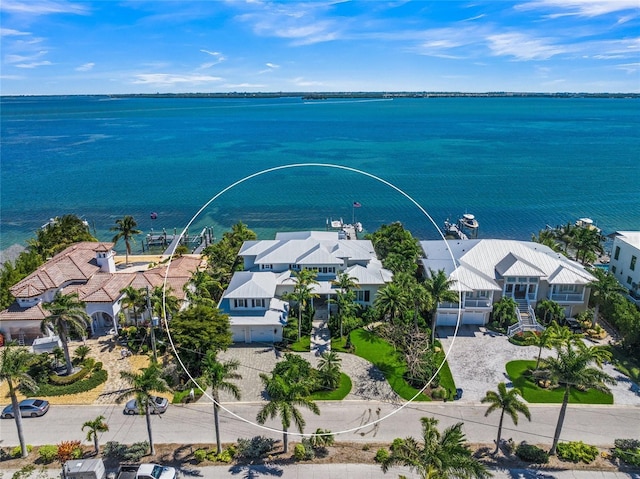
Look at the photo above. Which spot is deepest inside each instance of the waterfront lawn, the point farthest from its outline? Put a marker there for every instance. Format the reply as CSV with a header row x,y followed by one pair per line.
x,y
337,394
518,371
386,359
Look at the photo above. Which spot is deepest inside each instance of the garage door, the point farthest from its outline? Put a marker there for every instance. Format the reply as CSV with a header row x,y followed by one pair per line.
x,y
472,317
261,335
238,334
447,319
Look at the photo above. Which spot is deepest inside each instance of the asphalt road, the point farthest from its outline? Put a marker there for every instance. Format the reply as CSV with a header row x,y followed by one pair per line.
x,y
193,423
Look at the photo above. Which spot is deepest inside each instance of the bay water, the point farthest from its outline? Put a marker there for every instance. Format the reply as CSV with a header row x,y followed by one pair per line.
x,y
517,164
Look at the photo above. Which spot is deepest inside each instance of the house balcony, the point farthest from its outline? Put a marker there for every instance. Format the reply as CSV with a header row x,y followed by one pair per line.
x,y
567,297
481,303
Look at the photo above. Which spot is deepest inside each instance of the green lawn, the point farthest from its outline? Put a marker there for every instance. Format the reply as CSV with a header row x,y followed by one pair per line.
x,y
532,393
302,346
446,378
382,355
337,394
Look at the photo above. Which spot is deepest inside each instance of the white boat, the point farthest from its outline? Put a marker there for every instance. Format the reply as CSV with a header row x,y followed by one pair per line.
x,y
468,221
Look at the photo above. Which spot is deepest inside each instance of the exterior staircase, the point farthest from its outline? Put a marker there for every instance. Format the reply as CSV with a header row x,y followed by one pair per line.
x,y
526,319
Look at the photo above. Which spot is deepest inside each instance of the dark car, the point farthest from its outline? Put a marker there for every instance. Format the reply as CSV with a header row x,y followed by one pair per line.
x,y
28,408
158,406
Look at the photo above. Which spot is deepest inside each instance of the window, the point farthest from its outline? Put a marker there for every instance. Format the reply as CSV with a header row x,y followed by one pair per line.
x,y
240,303
259,303
362,296
628,279
632,266
617,253
613,269
567,288
266,266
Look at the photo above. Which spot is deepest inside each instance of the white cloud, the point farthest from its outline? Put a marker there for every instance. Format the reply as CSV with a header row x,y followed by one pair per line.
x,y
629,67
167,79
219,58
300,81
33,64
86,67
584,8
10,32
270,67
44,7
522,46
244,85
27,59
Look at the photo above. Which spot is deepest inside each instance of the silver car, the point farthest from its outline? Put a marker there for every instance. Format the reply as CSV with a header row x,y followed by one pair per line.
x,y
158,405
28,408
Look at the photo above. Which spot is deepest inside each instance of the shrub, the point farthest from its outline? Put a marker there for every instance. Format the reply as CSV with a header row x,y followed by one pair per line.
x,y
225,456
68,450
48,453
300,452
136,451
255,448
114,449
200,455
531,453
17,451
381,456
628,451
97,378
72,378
577,451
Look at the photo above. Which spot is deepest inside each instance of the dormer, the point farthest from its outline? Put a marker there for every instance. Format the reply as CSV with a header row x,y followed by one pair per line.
x,y
105,259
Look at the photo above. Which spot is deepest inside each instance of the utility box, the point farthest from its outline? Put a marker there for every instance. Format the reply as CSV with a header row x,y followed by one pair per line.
x,y
83,469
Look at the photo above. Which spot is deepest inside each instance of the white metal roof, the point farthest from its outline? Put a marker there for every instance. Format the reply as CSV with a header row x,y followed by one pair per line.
x,y
247,284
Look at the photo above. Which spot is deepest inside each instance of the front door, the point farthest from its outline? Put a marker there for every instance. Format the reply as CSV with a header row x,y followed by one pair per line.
x,y
520,291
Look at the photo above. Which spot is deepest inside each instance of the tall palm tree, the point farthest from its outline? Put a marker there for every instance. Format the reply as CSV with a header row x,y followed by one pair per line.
x,y
391,302
439,287
603,288
440,455
141,385
564,234
67,315
329,368
586,241
572,369
285,398
126,230
14,370
345,295
506,401
546,339
218,376
302,293
546,237
95,426
133,299
163,302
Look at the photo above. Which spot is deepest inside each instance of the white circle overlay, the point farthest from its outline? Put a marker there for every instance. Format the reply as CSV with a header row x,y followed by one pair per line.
x,y
307,165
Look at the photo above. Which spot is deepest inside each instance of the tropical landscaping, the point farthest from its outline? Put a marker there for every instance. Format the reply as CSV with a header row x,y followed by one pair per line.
x,y
396,335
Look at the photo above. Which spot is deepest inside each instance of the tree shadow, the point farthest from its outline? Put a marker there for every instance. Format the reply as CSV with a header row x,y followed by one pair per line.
x,y
254,471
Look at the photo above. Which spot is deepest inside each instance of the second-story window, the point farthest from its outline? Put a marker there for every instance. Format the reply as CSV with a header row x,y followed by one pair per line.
x,y
632,266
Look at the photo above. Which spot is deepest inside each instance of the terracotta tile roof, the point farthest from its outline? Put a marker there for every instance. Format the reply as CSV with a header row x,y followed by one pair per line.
x,y
75,263
16,313
102,287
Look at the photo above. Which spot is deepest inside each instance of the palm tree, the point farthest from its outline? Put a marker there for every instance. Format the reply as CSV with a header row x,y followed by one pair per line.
x,y
302,293
133,299
345,296
95,426
440,456
126,229
164,304
546,339
572,369
439,287
546,237
14,370
141,385
284,399
329,368
218,375
391,302
67,315
603,288
586,241
506,401
564,234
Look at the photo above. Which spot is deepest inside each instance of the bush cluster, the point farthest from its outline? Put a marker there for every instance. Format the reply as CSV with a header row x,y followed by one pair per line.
x,y
97,378
48,453
68,450
255,448
628,451
577,451
226,456
531,453
17,451
70,379
122,452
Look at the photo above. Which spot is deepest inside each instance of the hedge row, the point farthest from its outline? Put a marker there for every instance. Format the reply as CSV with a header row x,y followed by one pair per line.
x,y
96,379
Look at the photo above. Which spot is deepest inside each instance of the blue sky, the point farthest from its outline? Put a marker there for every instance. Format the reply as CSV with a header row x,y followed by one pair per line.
x,y
111,46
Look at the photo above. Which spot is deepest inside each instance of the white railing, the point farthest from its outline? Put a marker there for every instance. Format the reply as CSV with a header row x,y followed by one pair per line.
x,y
477,303
567,297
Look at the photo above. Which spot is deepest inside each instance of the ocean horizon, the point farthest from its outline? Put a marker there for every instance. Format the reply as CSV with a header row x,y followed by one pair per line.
x,y
517,164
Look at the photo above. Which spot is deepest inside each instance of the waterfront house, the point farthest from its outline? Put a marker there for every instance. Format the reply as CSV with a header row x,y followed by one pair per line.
x,y
485,270
89,269
253,298
624,264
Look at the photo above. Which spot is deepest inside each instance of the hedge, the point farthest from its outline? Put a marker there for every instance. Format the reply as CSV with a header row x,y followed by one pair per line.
x,y
96,379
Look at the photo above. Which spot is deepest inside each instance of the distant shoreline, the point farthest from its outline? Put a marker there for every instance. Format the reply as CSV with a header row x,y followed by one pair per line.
x,y
348,95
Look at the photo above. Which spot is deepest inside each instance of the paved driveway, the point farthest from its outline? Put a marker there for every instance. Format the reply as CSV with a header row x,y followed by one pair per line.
x,y
477,359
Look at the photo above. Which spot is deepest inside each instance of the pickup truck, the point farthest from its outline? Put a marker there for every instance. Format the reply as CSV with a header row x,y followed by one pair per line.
x,y
94,469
